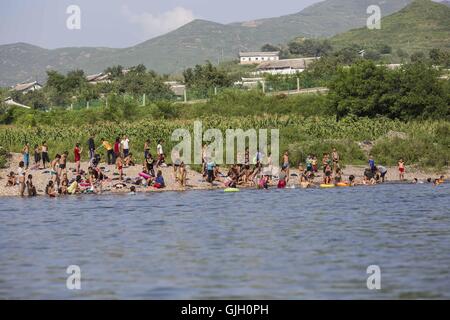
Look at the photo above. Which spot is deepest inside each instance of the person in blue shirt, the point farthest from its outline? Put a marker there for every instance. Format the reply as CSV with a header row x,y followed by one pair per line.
x,y
372,164
210,166
159,181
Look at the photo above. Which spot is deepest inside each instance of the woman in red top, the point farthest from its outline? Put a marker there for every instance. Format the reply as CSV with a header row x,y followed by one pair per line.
x,y
77,153
116,149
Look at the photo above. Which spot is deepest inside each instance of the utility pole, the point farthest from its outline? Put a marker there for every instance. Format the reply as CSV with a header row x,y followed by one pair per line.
x,y
298,84
185,96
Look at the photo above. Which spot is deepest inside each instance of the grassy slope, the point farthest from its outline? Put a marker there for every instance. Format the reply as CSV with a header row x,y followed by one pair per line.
x,y
422,25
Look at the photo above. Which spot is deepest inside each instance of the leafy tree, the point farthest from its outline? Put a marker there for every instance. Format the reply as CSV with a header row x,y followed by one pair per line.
x,y
204,77
269,48
367,90
310,47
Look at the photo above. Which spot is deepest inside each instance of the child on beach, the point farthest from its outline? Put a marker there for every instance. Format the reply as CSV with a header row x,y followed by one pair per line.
x,y
44,156
149,164
327,174
285,166
146,148
116,149
335,158
50,189
37,156
26,155
30,187
64,184
401,170
119,166
11,182
21,172
210,166
129,160
55,169
160,153
74,188
159,181
77,156
181,175
282,179
63,163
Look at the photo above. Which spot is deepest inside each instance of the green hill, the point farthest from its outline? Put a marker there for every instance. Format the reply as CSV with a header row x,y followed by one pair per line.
x,y
420,26
192,43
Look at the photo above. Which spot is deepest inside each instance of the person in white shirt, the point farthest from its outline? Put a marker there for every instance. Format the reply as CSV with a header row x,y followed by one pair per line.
x,y
160,153
125,146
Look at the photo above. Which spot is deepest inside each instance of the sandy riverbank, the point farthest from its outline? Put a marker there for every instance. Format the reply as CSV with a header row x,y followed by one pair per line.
x,y
195,180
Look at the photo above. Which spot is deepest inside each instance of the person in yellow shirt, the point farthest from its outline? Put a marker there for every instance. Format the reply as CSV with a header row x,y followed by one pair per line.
x,y
109,150
74,187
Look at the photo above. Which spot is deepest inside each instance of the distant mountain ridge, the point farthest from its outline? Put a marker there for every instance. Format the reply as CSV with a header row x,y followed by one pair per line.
x,y
193,43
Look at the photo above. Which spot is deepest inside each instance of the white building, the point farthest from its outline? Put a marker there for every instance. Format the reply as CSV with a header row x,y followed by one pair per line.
x,y
177,88
99,78
27,87
285,66
258,57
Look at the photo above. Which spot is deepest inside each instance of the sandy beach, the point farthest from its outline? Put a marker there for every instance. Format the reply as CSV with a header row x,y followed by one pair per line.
x,y
195,180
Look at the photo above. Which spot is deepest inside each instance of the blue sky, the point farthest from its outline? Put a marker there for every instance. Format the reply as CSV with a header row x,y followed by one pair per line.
x,y
122,23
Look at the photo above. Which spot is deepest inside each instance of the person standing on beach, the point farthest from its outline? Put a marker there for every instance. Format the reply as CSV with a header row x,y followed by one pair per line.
x,y
109,150
146,148
37,157
116,153
77,156
125,146
44,150
401,169
335,158
21,172
285,166
91,145
160,153
26,155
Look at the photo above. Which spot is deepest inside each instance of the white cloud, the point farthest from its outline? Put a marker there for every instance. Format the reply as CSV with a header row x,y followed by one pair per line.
x,y
158,24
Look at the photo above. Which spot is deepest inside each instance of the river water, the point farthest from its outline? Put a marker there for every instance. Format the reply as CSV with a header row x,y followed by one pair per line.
x,y
276,244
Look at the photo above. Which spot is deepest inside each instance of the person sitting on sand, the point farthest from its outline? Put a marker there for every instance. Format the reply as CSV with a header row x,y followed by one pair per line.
x,y
128,160
304,180
264,182
401,170
282,179
159,181
64,183
31,189
50,189
11,182
74,188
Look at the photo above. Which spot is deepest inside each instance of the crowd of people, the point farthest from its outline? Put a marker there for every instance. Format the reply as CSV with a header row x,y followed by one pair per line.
x,y
252,170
